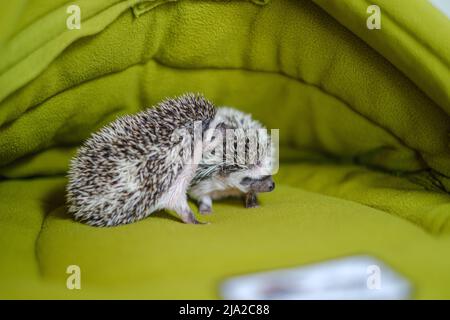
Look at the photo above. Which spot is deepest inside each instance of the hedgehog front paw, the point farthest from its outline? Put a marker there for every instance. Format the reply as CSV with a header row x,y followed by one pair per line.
x,y
205,205
252,205
251,200
205,209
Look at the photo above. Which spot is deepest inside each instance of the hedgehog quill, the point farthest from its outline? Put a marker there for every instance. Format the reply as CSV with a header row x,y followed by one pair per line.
x,y
154,159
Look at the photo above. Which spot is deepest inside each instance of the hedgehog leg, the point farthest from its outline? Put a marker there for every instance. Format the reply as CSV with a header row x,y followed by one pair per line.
x,y
205,205
186,214
251,200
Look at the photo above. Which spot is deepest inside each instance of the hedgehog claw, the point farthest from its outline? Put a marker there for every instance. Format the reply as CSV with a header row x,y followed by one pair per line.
x,y
200,222
195,221
190,219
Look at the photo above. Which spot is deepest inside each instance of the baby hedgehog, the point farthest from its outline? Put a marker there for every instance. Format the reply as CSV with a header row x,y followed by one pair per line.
x,y
146,162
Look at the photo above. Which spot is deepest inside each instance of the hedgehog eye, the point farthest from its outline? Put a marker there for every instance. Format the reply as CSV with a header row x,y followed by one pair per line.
x,y
246,181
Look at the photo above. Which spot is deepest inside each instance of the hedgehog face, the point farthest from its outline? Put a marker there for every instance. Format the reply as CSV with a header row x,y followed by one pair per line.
x,y
256,179
243,154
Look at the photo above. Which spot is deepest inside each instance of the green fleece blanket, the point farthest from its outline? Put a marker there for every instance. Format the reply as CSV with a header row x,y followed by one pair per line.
x,y
364,119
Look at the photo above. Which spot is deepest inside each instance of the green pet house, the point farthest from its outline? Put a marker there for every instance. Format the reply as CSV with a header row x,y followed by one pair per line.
x,y
362,112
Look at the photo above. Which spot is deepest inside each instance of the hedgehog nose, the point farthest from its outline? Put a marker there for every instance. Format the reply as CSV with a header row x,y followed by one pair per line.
x,y
272,186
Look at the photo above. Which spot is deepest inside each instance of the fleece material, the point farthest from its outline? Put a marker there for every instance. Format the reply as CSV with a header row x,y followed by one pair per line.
x,y
364,135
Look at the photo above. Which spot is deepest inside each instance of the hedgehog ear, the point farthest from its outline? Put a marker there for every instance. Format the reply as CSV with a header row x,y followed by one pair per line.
x,y
222,127
219,129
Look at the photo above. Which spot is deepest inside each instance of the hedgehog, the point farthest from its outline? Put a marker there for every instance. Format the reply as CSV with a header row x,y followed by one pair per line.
x,y
152,160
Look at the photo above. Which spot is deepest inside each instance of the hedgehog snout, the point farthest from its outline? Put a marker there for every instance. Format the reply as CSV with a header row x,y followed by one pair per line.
x,y
264,184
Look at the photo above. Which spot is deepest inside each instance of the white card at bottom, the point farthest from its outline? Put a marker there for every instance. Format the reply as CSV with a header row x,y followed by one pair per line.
x,y
357,277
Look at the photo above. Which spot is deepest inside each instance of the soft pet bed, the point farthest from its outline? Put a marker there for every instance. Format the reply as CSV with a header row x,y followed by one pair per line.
x,y
364,139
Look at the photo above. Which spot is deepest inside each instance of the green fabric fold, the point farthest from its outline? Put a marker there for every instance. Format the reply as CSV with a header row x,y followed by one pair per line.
x,y
413,36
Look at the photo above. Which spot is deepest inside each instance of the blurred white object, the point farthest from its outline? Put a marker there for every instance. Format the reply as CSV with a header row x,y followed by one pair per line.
x,y
358,277
443,5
